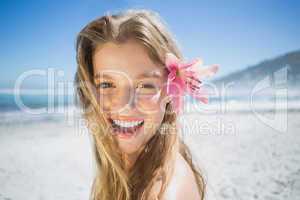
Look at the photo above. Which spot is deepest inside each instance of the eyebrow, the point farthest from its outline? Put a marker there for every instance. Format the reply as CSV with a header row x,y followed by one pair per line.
x,y
154,74
151,74
99,74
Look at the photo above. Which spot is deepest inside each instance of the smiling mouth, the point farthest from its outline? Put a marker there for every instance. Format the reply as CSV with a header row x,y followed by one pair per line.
x,y
126,129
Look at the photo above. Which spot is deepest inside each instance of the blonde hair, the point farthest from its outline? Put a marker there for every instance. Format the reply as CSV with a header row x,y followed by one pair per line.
x,y
111,180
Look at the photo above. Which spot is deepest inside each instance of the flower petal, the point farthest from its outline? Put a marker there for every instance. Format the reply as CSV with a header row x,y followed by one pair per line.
x,y
200,94
202,98
202,73
171,61
180,84
175,86
186,77
171,78
194,62
176,93
172,75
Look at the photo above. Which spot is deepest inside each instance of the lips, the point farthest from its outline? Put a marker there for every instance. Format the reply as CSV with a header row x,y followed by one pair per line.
x,y
129,128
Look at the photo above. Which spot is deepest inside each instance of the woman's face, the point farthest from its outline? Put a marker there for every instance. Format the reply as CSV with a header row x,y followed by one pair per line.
x,y
130,89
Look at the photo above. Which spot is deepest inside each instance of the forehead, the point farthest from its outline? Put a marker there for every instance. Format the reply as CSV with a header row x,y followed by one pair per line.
x,y
130,58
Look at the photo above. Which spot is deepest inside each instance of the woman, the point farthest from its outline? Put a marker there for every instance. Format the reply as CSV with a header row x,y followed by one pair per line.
x,y
121,79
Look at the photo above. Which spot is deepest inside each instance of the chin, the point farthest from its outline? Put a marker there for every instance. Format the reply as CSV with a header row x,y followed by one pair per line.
x,y
128,148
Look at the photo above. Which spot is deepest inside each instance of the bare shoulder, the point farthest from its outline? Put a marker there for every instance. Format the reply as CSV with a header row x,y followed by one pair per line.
x,y
183,183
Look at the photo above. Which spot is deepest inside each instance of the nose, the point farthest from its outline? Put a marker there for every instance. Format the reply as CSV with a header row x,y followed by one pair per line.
x,y
126,98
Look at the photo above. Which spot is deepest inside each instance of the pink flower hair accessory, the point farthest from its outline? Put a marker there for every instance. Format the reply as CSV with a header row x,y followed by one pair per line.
x,y
186,77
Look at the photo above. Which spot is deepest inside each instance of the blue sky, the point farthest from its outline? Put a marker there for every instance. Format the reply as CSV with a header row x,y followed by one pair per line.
x,y
235,34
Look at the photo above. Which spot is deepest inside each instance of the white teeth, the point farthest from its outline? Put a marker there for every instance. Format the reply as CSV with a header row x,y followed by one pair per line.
x,y
127,124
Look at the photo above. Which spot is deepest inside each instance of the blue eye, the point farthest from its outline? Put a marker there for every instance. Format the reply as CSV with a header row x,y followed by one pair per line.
x,y
104,85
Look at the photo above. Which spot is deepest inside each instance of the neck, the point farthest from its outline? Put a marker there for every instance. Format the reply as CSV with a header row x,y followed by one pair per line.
x,y
129,160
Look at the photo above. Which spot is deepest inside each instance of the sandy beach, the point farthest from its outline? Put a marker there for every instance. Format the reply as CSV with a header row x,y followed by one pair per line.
x,y
51,159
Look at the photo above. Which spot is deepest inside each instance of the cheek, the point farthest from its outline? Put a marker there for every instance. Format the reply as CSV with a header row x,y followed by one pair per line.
x,y
109,103
159,109
106,104
152,123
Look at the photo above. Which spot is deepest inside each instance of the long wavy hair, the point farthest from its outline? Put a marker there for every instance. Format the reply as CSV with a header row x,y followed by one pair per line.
x,y
156,161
